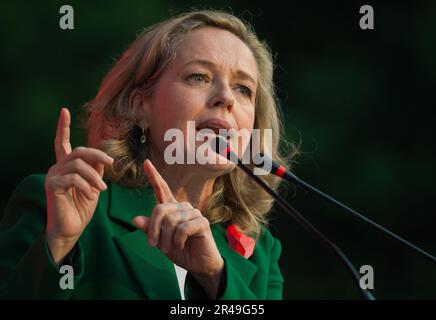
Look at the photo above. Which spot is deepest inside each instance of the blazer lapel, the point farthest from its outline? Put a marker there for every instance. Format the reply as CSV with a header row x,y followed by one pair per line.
x,y
154,272
245,266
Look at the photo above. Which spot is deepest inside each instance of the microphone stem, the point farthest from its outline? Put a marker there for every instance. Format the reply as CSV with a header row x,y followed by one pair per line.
x,y
293,178
365,294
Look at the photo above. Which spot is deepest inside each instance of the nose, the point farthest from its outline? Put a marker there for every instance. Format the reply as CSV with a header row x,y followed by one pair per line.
x,y
223,98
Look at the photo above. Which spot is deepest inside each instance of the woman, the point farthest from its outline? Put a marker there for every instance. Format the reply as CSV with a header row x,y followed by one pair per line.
x,y
131,225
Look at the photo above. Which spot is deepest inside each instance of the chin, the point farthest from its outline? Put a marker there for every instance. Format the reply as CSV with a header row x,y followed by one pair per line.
x,y
216,169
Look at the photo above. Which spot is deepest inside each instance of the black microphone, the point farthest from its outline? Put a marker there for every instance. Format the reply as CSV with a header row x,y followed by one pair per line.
x,y
220,146
279,170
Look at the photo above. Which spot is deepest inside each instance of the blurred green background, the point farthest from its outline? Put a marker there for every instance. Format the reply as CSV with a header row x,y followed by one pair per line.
x,y
359,101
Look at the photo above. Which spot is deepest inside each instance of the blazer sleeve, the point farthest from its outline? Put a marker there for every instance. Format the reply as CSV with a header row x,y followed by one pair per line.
x,y
27,269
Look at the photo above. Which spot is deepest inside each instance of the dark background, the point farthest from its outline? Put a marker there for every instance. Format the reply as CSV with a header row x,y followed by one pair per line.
x,y
360,102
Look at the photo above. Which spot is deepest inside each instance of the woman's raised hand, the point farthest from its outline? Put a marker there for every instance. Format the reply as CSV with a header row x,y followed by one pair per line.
x,y
73,185
182,233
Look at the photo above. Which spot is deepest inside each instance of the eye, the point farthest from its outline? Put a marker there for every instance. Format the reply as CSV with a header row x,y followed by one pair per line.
x,y
246,91
198,77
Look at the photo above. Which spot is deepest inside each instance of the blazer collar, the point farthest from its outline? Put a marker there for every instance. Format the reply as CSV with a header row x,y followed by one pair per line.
x,y
154,271
126,203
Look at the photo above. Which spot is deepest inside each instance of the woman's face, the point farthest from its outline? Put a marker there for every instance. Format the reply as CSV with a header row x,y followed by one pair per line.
x,y
213,76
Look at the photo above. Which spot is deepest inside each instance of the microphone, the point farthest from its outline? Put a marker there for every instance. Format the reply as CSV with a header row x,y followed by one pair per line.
x,y
220,146
282,172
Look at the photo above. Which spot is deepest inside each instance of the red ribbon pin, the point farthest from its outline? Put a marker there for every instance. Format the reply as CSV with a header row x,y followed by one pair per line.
x,y
240,242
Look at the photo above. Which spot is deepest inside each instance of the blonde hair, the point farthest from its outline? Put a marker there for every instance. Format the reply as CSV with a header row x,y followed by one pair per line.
x,y
112,127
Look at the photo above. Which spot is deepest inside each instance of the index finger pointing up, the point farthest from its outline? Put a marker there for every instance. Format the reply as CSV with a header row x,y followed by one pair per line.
x,y
62,140
160,187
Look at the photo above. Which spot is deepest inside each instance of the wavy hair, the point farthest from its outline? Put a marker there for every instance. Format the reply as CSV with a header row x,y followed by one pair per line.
x,y
112,126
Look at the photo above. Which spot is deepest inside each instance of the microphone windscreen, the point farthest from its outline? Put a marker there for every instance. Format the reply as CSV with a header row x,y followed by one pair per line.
x,y
261,160
220,145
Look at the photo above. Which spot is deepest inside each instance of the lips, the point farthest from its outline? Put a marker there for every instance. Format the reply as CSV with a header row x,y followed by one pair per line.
x,y
215,125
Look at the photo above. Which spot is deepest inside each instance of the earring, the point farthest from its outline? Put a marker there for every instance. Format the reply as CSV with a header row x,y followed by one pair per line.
x,y
143,138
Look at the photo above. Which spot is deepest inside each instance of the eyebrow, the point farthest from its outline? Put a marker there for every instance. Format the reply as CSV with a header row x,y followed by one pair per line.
x,y
210,64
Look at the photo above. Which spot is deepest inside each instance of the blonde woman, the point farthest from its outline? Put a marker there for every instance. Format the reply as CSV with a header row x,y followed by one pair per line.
x,y
130,225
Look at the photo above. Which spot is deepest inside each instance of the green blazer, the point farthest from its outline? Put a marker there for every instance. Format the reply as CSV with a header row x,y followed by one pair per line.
x,y
113,259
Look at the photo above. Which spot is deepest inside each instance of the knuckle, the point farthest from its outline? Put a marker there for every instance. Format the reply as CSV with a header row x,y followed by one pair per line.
x,y
183,228
159,210
186,204
51,171
205,221
76,164
75,177
99,153
182,205
171,220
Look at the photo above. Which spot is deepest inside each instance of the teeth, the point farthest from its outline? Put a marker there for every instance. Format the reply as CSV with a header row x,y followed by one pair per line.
x,y
214,129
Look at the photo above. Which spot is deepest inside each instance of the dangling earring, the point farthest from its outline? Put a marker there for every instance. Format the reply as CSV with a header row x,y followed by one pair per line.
x,y
143,138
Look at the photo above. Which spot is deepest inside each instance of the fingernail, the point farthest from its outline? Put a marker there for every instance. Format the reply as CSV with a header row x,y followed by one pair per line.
x,y
103,185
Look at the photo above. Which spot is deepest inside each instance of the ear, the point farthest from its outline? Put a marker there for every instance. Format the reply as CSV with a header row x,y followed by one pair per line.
x,y
139,106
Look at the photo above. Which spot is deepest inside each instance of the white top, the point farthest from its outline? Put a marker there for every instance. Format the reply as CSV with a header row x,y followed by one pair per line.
x,y
181,277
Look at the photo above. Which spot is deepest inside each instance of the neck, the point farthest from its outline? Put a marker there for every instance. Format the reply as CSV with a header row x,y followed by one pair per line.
x,y
185,184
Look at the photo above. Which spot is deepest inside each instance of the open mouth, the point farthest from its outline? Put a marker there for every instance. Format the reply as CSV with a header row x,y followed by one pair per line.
x,y
217,126
216,131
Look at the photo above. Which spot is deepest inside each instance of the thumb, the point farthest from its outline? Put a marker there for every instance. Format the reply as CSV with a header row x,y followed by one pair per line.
x,y
141,222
